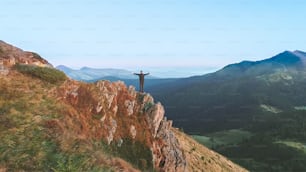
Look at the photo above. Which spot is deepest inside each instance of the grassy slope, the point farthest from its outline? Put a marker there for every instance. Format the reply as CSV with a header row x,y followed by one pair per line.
x,y
28,144
229,137
200,158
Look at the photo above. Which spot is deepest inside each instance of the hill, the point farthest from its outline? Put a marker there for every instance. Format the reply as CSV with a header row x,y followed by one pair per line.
x,y
49,122
236,93
265,98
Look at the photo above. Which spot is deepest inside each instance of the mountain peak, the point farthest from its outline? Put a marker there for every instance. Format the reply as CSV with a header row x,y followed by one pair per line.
x,y
63,67
288,58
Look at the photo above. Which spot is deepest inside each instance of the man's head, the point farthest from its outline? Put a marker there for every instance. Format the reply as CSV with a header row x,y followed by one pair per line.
x,y
141,72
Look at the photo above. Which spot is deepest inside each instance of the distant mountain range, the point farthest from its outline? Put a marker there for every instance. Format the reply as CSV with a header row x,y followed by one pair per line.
x,y
92,74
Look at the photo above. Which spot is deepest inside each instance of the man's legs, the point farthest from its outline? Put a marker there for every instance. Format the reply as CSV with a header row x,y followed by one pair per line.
x,y
141,85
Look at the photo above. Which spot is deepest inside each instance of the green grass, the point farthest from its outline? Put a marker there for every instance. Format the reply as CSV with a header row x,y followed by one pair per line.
x,y
297,145
26,144
204,140
47,74
23,143
302,108
223,138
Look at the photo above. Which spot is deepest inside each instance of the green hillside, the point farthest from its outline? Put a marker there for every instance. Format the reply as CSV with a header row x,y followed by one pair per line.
x,y
265,98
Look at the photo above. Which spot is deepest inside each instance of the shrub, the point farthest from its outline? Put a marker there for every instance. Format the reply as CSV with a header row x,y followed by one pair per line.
x,y
50,75
71,163
147,106
37,56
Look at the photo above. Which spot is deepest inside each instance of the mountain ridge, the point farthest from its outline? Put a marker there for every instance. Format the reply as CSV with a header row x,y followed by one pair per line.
x,y
283,67
287,58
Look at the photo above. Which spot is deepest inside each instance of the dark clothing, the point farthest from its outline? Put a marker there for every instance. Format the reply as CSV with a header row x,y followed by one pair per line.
x,y
141,80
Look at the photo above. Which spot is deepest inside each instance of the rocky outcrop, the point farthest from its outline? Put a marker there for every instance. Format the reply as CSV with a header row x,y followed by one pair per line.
x,y
155,116
133,131
113,112
10,55
167,156
3,70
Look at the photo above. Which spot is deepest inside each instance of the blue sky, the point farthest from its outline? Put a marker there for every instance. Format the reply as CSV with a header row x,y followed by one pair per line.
x,y
154,34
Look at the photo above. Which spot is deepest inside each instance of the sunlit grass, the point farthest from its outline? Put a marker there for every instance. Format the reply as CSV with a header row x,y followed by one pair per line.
x,y
228,137
26,143
297,145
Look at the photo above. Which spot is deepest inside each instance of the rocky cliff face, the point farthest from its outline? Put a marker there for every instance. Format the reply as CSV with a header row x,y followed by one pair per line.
x,y
113,112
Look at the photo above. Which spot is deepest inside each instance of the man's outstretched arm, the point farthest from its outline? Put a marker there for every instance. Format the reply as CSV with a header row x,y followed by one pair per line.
x,y
147,74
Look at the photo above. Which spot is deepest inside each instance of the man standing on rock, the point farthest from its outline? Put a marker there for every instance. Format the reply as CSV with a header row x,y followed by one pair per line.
x,y
141,79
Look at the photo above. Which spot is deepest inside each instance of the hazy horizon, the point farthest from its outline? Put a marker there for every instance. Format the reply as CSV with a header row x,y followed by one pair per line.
x,y
162,72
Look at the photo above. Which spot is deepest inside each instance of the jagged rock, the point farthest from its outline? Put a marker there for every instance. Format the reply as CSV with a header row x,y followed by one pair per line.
x,y
120,141
147,98
109,100
133,131
132,91
99,107
115,109
172,157
155,116
111,130
167,156
3,69
103,118
129,106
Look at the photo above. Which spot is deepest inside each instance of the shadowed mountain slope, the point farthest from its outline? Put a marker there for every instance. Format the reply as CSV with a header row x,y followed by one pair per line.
x,y
235,94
